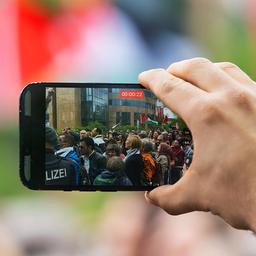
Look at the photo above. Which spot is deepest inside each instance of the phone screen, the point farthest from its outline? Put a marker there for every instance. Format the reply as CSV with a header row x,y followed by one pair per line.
x,y
96,137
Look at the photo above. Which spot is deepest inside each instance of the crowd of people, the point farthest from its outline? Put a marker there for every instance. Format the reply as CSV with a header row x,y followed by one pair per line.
x,y
132,158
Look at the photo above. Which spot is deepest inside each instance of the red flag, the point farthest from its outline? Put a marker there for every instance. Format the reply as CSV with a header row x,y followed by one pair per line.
x,y
143,118
165,120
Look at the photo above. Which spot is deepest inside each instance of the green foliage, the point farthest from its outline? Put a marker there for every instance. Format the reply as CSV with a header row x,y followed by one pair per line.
x,y
10,183
124,128
166,126
181,123
233,43
96,124
90,126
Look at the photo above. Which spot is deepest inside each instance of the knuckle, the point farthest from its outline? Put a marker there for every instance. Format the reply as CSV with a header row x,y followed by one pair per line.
x,y
150,75
199,60
155,75
239,98
195,63
228,65
209,111
156,71
168,86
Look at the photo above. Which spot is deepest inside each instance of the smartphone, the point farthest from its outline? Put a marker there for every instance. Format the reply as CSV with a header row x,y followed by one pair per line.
x,y
99,136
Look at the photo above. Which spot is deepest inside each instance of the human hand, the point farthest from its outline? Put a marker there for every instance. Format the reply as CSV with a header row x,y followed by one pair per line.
x,y
50,92
218,103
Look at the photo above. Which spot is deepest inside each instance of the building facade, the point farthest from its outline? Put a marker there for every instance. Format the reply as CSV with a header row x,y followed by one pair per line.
x,y
94,106
77,107
128,111
65,108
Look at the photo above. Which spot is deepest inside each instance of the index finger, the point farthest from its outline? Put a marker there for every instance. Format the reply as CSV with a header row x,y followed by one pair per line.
x,y
177,94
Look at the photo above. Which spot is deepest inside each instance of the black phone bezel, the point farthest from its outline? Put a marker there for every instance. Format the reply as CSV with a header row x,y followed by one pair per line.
x,y
32,128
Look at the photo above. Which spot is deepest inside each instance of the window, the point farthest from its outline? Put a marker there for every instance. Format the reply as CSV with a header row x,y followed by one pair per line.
x,y
123,117
132,103
115,90
148,94
94,105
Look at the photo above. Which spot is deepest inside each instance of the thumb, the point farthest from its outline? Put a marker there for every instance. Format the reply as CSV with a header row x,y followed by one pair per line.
x,y
182,197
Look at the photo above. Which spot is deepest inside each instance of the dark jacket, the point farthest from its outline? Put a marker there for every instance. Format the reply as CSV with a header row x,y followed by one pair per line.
x,y
134,169
112,178
59,171
97,165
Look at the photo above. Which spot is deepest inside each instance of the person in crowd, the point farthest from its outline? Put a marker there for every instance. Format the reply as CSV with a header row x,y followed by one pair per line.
x,y
114,174
98,139
165,137
175,134
115,136
88,132
160,138
155,141
109,135
95,162
170,140
132,132
149,161
188,151
178,155
220,106
111,141
114,150
67,144
58,171
134,165
76,137
76,155
155,136
83,134
68,150
66,130
122,138
150,134
164,159
143,134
